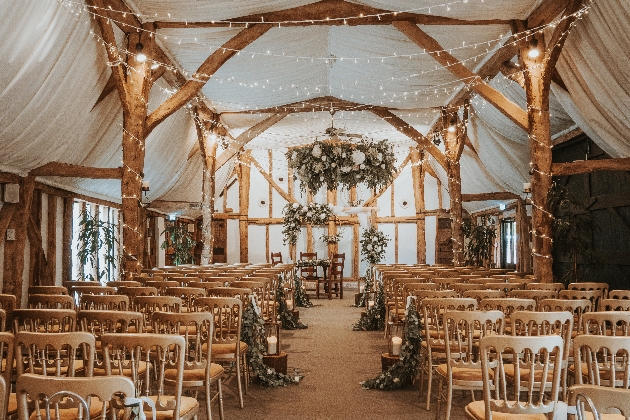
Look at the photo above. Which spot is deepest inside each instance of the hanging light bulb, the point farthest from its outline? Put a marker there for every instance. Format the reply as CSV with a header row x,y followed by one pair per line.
x,y
140,56
155,65
452,125
533,52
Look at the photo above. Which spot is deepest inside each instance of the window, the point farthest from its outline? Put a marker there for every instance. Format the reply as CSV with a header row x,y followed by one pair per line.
x,y
508,243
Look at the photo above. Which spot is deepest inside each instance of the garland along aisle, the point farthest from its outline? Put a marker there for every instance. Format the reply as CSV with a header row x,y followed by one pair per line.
x,y
286,317
404,371
300,298
253,334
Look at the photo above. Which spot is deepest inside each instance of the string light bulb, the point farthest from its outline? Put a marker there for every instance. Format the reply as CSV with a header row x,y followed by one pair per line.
x,y
534,51
140,57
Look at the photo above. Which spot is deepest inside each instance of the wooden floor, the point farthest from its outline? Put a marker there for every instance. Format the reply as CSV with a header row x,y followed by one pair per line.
x,y
333,360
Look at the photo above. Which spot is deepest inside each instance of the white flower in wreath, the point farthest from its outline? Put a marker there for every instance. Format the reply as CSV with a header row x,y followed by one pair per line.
x,y
346,169
343,155
383,166
379,156
333,164
336,150
294,156
317,151
324,158
321,178
296,205
309,214
362,166
369,247
322,216
358,157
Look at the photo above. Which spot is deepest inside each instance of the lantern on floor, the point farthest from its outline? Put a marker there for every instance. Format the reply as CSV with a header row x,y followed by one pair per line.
x,y
288,297
395,337
272,338
370,300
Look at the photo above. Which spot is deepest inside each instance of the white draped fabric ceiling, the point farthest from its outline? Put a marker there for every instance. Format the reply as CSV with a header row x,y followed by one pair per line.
x,y
54,67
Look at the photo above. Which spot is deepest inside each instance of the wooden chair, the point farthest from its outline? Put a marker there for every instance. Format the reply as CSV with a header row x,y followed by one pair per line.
x,y
433,347
44,320
72,398
8,305
507,305
538,355
8,405
261,288
80,288
619,294
47,290
276,258
603,287
199,373
147,305
308,275
188,295
229,292
123,354
602,360
614,305
3,398
600,403
593,295
133,292
227,346
484,294
537,295
614,323
123,283
462,370
578,307
545,286
161,285
334,280
102,322
51,302
505,287
104,302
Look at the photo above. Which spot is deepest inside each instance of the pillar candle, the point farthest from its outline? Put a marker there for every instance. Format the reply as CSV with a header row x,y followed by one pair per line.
x,y
289,304
272,344
396,345
370,304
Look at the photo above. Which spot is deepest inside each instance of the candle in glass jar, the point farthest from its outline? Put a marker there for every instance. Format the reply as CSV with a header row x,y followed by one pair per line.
x,y
396,345
272,344
289,304
370,304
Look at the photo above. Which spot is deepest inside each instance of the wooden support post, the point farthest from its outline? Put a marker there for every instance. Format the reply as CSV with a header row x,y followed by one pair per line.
x,y
333,248
243,191
14,250
417,176
524,264
356,254
309,227
51,239
66,253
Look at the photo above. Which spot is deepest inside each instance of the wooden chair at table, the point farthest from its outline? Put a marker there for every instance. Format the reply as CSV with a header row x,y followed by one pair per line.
x,y
433,347
8,405
188,295
124,355
47,290
619,294
51,302
199,373
600,403
78,396
227,346
538,355
276,258
308,275
538,324
334,280
44,320
462,368
614,305
104,302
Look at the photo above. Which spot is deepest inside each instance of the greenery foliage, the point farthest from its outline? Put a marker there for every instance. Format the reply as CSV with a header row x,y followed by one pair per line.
x,y
182,242
253,334
375,316
296,214
286,317
405,369
330,239
373,244
338,164
573,228
300,298
96,235
478,240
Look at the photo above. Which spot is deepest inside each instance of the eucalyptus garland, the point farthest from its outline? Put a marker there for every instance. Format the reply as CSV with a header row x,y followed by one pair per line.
x,y
405,369
375,316
300,298
339,164
286,317
367,287
253,334
296,214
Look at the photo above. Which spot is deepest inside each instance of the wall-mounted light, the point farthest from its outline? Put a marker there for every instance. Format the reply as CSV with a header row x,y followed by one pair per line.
x,y
140,56
534,51
452,125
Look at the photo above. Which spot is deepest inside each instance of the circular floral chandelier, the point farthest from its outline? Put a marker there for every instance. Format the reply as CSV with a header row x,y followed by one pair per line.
x,y
339,164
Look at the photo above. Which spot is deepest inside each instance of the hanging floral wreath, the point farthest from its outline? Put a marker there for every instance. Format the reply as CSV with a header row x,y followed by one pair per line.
x,y
296,214
331,239
338,164
373,244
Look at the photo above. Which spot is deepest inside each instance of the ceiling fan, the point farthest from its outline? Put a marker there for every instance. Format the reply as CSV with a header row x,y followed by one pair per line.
x,y
337,133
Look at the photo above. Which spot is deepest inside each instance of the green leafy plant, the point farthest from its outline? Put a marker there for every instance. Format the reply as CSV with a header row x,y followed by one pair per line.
x,y
573,228
182,242
296,214
373,244
478,240
96,235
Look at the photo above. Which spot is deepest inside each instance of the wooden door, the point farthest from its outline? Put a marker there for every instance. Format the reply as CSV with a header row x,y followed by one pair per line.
x,y
444,242
219,232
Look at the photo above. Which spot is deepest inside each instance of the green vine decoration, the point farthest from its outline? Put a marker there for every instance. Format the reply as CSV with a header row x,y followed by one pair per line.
x,y
367,287
405,369
94,235
375,316
178,237
286,317
253,333
479,240
300,298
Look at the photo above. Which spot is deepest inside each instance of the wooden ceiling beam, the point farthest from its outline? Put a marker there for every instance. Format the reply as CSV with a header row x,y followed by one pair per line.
x,y
324,103
248,159
76,171
476,83
546,12
332,13
587,166
248,136
406,129
497,196
194,85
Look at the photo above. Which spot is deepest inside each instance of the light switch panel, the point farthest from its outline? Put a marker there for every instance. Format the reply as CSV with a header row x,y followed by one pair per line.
x,y
10,234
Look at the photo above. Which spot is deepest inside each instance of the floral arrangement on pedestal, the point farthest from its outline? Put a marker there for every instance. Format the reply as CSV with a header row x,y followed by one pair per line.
x,y
341,164
296,214
373,244
405,369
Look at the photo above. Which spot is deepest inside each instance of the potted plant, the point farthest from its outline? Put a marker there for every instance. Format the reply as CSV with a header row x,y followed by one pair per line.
x,y
177,238
95,235
478,240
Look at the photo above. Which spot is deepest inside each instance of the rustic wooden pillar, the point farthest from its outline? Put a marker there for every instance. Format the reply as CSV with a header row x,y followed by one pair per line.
x,y
522,230
66,252
14,250
417,176
51,235
331,198
208,150
309,227
454,130
243,191
356,253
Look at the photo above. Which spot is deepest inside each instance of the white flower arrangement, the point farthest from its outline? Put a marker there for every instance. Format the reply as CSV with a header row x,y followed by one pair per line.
x,y
343,164
373,244
296,214
331,239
